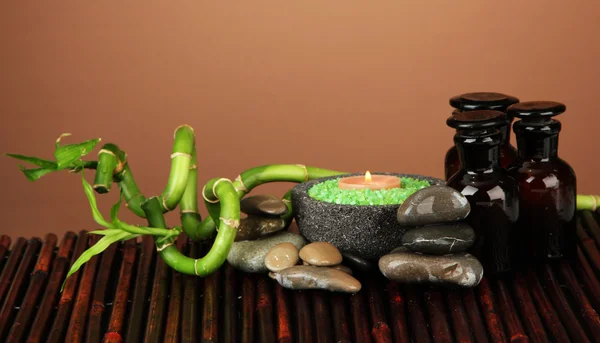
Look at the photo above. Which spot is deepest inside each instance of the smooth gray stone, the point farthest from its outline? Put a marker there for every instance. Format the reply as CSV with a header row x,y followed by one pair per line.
x,y
433,205
311,277
357,263
254,227
263,205
407,267
440,239
249,256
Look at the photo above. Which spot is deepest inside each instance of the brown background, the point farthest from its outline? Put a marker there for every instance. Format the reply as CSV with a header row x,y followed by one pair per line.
x,y
338,84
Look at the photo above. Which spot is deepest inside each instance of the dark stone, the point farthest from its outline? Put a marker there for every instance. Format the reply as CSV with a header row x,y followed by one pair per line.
x,y
440,239
357,263
263,205
365,231
310,277
433,205
455,270
254,227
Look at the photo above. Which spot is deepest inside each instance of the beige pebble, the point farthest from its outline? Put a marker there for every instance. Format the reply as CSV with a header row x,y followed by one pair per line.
x,y
321,254
310,277
342,268
281,256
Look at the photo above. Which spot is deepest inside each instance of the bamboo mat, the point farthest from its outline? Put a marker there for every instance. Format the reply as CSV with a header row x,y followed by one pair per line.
x,y
126,294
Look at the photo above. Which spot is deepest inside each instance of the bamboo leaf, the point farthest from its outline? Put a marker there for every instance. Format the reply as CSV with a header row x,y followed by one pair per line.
x,y
67,154
89,193
45,164
34,174
96,249
114,211
105,232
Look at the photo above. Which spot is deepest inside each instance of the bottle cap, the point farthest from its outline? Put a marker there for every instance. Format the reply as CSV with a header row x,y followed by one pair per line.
x,y
482,101
477,120
536,111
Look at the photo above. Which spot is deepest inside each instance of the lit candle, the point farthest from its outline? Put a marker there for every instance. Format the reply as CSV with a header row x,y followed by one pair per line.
x,y
369,181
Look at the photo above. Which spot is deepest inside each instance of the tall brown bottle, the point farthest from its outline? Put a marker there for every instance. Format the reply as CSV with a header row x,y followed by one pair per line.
x,y
492,193
483,101
547,184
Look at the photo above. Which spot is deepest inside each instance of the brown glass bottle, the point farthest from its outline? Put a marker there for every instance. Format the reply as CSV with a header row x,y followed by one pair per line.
x,y
492,193
547,184
483,101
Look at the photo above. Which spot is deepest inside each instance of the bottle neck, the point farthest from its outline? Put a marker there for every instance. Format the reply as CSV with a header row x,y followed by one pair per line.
x,y
478,154
537,142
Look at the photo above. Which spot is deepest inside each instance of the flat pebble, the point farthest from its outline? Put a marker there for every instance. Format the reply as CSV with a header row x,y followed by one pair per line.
x,y
254,227
310,277
440,239
321,254
249,256
460,269
342,268
263,205
433,205
281,256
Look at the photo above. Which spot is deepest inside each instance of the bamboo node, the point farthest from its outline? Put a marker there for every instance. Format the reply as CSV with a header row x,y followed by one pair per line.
x,y
164,202
188,211
241,183
305,171
234,223
163,247
595,206
196,267
206,199
287,201
96,186
106,151
177,154
193,167
214,187
179,127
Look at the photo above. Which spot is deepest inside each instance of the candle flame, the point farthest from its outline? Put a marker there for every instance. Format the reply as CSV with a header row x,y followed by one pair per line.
x,y
368,177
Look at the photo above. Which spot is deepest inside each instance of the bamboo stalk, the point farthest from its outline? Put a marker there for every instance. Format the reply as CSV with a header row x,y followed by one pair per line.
x,y
514,328
419,331
380,330
475,318
490,312
142,284
181,160
17,284
65,304
230,329
592,284
264,310
188,205
37,281
561,304
587,312
526,305
109,158
589,247
117,317
158,303
398,313
51,294
304,330
545,309
248,303
284,324
174,312
189,332
341,323
437,316
210,307
322,316
458,315
81,306
94,331
11,266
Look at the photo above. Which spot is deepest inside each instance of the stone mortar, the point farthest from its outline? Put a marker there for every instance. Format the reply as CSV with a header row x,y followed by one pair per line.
x,y
369,231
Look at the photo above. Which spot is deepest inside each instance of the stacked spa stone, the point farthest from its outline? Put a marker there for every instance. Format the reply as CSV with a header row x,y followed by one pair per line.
x,y
321,268
434,246
259,232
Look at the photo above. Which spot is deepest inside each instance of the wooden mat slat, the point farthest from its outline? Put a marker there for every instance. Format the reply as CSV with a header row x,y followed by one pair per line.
x,y
127,294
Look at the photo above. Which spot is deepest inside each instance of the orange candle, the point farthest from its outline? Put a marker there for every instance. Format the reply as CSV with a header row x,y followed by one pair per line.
x,y
369,181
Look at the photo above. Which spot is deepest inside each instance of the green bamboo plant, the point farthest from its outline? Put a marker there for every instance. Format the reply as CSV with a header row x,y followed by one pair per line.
x,y
221,197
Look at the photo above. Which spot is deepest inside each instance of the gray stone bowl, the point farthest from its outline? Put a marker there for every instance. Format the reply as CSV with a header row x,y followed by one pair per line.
x,y
363,230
